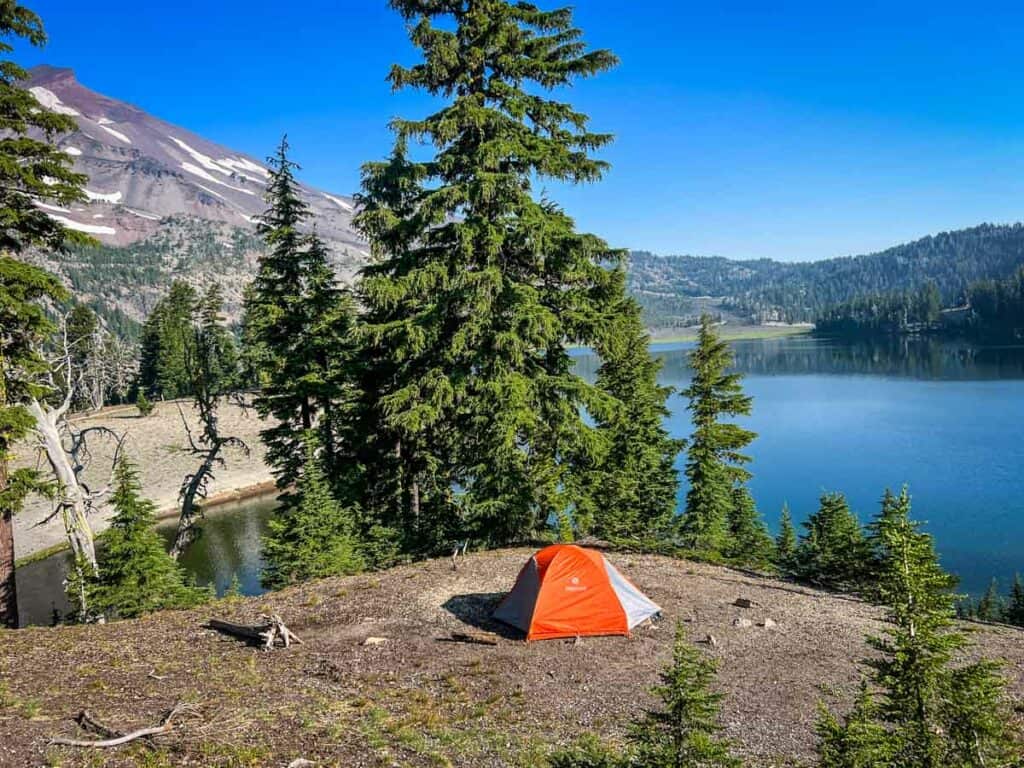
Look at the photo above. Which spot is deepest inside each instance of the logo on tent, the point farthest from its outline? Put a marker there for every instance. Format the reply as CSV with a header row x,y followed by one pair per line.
x,y
575,585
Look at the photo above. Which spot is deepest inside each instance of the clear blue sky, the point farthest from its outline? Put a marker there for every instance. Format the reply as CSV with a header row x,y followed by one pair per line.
x,y
791,130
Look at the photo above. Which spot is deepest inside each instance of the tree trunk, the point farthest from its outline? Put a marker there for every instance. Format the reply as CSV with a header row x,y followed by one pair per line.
x,y
72,501
8,586
187,529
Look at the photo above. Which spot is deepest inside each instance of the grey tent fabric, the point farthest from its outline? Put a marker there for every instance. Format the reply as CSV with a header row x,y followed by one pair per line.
x,y
637,606
517,608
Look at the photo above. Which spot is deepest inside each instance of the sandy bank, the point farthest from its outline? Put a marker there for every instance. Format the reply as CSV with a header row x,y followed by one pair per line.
x,y
155,444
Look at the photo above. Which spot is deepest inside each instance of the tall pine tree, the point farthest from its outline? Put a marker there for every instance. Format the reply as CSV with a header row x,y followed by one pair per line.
x,y
635,482
32,169
479,287
714,465
23,327
298,331
166,337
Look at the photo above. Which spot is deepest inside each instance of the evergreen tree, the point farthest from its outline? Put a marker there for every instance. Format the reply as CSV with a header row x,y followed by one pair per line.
x,y
749,542
990,607
785,542
927,713
714,464
136,574
636,483
1015,607
23,327
314,536
684,732
832,551
31,170
298,326
478,288
166,339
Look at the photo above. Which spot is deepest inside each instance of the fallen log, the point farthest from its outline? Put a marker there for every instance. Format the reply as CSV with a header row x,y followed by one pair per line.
x,y
475,638
268,633
165,726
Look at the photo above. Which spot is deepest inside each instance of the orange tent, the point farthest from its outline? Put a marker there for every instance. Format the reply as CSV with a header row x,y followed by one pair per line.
x,y
568,591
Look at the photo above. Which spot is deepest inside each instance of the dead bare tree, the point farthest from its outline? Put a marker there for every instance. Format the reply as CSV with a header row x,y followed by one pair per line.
x,y
208,447
66,449
211,362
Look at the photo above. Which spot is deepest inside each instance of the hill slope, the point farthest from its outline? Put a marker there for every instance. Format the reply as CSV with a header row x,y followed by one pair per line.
x,y
418,699
164,203
765,290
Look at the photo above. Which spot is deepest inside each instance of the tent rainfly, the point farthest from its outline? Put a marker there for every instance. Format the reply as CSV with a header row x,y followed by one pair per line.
x,y
568,591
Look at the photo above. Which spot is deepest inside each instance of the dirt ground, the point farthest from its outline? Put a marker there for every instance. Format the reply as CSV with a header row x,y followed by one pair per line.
x,y
419,699
155,444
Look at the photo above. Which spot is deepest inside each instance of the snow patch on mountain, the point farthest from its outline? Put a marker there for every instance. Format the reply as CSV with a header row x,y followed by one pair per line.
x,y
49,100
103,197
115,133
339,202
197,171
142,215
91,229
239,164
207,189
204,160
48,207
73,151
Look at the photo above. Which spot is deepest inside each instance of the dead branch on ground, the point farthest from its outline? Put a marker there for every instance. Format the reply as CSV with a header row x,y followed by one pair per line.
x,y
84,719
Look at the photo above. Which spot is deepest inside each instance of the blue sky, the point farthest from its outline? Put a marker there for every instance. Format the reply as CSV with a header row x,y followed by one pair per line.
x,y
789,130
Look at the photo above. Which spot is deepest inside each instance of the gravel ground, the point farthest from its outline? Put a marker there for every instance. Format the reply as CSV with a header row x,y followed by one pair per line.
x,y
417,698
154,443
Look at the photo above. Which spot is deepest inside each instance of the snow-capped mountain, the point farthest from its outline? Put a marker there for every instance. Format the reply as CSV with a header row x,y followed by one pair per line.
x,y
143,170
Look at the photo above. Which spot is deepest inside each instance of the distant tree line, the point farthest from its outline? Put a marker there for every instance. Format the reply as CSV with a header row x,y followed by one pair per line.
x,y
988,308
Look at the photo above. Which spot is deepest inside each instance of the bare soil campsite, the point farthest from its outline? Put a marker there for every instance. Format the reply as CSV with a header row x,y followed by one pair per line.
x,y
384,677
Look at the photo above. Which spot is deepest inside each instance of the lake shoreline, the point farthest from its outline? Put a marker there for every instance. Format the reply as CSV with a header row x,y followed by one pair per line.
x,y
256,491
735,333
155,444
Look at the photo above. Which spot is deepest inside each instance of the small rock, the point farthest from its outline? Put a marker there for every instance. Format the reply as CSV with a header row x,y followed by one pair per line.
x,y
375,641
577,642
742,602
301,763
742,623
710,640
768,624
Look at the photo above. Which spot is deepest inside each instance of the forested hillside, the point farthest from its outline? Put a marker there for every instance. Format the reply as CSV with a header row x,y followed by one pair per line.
x,y
991,308
759,291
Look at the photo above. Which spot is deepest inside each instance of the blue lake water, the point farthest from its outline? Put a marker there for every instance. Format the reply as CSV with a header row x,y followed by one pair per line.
x,y
945,418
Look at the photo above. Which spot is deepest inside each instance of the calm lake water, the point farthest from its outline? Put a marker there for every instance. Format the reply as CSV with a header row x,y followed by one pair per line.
x,y
943,417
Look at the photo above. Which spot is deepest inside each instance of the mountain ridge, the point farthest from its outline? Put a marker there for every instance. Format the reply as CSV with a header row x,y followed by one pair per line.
x,y
143,169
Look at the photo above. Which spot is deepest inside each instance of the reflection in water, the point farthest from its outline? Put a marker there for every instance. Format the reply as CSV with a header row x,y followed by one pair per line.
x,y
909,357
228,547
942,416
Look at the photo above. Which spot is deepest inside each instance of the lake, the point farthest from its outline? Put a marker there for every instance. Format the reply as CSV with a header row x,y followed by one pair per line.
x,y
941,416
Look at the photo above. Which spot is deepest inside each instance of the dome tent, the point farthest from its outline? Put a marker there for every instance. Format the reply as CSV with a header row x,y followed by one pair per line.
x,y
568,591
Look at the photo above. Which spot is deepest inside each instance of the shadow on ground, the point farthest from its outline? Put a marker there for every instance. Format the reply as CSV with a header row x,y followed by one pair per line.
x,y
476,609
